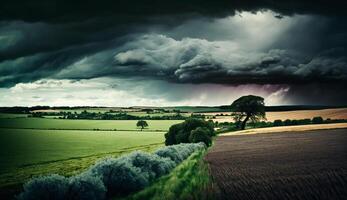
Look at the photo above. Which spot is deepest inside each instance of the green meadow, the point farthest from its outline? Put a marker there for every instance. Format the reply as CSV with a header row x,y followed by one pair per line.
x,y
28,152
37,146
67,124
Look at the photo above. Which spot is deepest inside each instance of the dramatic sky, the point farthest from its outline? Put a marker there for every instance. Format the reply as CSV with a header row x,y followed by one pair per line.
x,y
173,52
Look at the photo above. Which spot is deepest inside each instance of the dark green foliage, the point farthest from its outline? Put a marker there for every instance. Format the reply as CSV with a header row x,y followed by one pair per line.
x,y
294,122
179,133
109,177
200,134
36,114
304,121
142,124
278,122
287,122
53,187
174,131
248,107
86,186
317,120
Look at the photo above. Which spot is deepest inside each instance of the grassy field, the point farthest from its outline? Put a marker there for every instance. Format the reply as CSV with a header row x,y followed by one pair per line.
x,y
22,147
42,123
11,115
25,153
38,146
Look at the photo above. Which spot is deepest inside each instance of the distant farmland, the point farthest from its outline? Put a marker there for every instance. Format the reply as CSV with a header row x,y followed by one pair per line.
x,y
66,124
37,146
338,113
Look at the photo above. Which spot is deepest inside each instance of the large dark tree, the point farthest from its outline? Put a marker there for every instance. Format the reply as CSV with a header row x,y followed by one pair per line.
x,y
180,133
248,108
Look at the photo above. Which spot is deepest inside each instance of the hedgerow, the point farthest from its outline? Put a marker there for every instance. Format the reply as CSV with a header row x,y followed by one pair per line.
x,y
120,176
52,187
111,176
86,186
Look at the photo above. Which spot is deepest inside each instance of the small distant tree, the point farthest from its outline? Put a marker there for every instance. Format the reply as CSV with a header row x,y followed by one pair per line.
x,y
248,107
142,124
317,120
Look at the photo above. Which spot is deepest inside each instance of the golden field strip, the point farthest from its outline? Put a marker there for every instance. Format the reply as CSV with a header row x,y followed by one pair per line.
x,y
338,113
279,129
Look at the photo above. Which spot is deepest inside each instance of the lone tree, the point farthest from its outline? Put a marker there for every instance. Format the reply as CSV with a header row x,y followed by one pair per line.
x,y
248,107
142,124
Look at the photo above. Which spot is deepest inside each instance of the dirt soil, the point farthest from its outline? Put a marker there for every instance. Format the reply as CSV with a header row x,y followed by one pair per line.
x,y
289,165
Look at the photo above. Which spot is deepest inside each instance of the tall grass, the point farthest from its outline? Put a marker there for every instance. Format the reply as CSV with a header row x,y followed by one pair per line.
x,y
190,180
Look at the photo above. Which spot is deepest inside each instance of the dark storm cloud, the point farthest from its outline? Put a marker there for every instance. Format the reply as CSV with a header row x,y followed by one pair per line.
x,y
202,61
181,61
64,11
189,41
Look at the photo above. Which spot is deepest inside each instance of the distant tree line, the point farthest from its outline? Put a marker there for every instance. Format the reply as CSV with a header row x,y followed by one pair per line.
x,y
114,116
232,126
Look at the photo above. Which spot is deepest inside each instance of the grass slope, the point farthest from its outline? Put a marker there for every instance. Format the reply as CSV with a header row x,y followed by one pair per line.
x,y
22,147
190,180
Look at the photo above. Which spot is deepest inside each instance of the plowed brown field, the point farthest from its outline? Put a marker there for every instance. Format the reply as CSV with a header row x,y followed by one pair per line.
x,y
291,165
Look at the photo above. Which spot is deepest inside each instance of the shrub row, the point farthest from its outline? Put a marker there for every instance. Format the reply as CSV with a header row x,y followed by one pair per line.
x,y
111,176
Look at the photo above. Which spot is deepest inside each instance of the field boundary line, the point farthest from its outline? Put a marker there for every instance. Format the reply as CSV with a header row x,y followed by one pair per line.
x,y
96,129
127,149
280,129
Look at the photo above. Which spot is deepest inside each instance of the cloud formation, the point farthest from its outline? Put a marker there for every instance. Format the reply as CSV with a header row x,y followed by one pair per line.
x,y
135,10
290,45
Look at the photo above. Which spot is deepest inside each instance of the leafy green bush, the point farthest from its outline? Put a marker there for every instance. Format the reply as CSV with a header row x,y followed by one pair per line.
x,y
86,186
179,133
317,120
278,122
304,121
200,134
53,187
287,122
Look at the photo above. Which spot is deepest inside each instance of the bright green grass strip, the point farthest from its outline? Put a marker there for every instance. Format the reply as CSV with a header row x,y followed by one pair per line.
x,y
17,176
190,180
23,147
42,123
11,115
